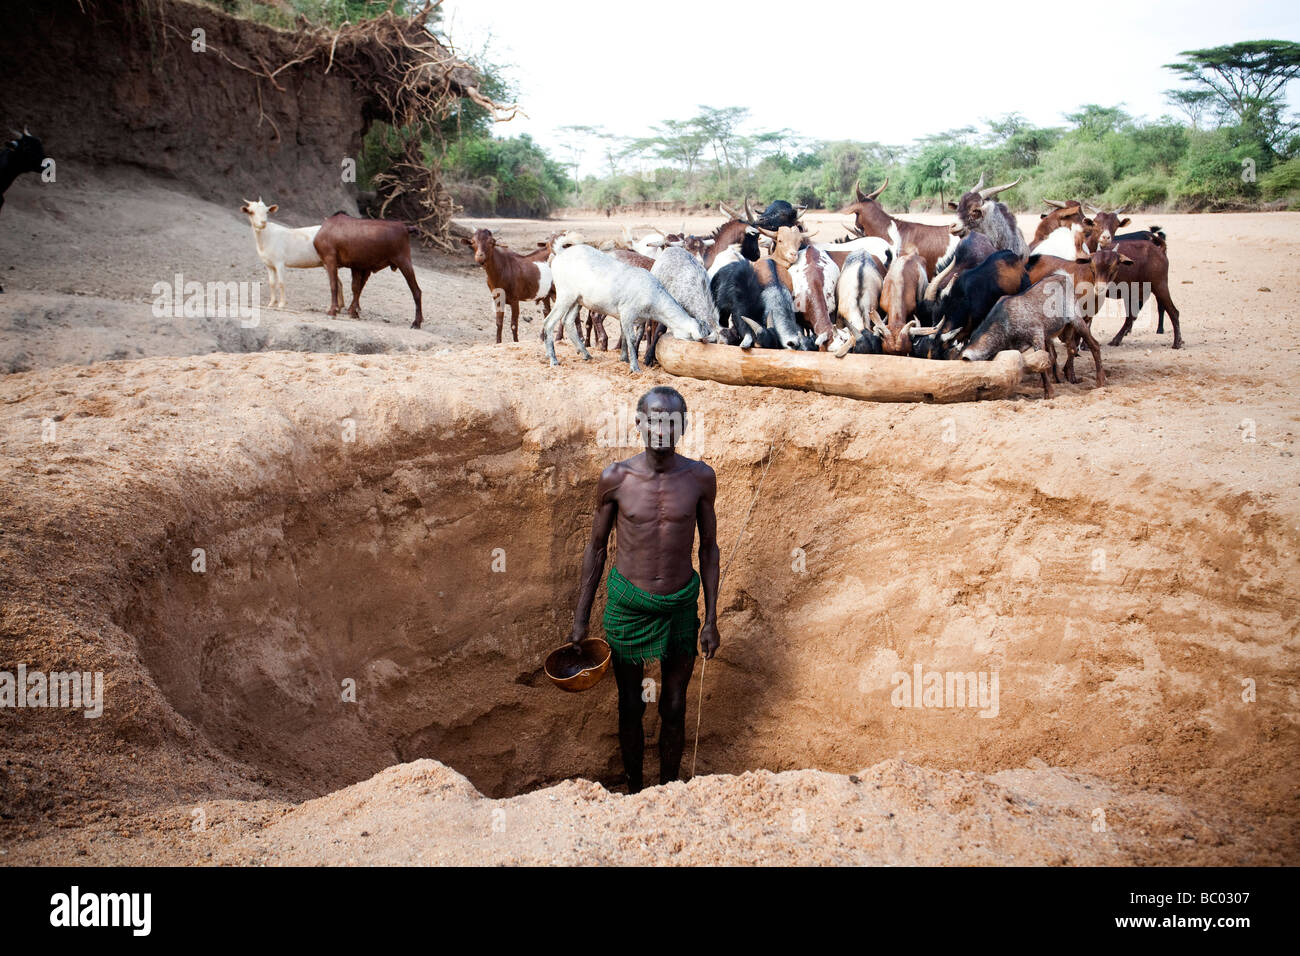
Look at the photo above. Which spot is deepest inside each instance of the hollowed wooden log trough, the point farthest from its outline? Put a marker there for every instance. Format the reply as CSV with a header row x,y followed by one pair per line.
x,y
872,378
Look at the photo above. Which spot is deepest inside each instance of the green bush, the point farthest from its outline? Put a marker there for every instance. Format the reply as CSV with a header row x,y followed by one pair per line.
x,y
1105,156
1282,181
1211,174
510,177
1072,170
1137,192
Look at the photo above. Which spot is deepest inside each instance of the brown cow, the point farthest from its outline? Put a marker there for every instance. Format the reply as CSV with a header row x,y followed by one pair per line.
x,y
365,246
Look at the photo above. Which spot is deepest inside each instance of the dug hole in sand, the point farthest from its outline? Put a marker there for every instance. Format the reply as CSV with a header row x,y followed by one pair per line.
x,y
411,526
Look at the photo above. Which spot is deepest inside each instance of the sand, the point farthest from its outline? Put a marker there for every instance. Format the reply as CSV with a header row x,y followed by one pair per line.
x,y
1121,557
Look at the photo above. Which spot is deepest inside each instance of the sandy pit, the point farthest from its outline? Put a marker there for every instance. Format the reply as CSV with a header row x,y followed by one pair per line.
x,y
403,513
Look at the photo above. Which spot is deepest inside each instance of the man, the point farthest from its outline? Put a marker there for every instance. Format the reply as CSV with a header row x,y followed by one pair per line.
x,y
658,498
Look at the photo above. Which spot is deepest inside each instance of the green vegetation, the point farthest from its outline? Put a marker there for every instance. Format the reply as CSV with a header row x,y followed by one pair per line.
x,y
1235,150
485,174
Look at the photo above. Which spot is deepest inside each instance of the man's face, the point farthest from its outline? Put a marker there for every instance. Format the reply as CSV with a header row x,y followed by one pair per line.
x,y
662,423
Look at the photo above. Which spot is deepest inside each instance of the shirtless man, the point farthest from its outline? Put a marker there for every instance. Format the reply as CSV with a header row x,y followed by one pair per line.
x,y
657,498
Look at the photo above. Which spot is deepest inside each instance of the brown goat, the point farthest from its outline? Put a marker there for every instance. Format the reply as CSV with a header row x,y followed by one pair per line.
x,y
1068,213
365,246
1092,276
1147,277
1108,224
902,292
596,326
512,278
633,259
931,243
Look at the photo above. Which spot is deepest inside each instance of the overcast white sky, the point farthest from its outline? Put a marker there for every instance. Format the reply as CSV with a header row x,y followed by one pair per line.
x,y
835,69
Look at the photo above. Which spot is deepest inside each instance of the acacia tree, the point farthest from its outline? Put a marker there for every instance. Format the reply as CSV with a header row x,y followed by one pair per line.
x,y
575,144
1193,103
680,142
719,126
1093,121
1243,82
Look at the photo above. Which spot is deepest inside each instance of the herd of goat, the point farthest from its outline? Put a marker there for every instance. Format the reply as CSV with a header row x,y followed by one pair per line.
x,y
894,287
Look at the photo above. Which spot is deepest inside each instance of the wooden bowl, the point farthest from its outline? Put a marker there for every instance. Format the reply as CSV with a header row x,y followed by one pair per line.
x,y
575,668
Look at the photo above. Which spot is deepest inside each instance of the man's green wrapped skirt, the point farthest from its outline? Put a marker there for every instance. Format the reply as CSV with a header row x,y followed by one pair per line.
x,y
641,626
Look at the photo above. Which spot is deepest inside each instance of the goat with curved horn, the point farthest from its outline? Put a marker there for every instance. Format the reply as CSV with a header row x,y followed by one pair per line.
x,y
992,191
864,197
755,330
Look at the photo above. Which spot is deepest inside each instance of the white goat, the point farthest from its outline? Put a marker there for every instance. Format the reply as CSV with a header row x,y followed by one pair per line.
x,y
684,278
872,244
279,246
1064,242
725,258
588,277
857,294
649,245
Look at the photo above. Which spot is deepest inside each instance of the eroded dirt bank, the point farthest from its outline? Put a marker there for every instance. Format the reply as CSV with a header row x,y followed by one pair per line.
x,y
164,86
1122,571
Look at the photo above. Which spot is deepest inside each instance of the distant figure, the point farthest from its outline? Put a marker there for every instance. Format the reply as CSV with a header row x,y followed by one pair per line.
x,y
658,499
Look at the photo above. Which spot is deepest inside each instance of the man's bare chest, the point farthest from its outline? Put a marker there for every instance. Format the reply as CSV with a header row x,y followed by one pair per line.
x,y
669,499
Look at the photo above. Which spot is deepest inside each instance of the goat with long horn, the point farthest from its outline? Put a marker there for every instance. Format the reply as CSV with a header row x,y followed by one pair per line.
x,y
991,191
979,211
867,197
932,243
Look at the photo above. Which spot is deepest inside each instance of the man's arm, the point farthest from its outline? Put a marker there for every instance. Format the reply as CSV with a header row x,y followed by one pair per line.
x,y
593,559
707,520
